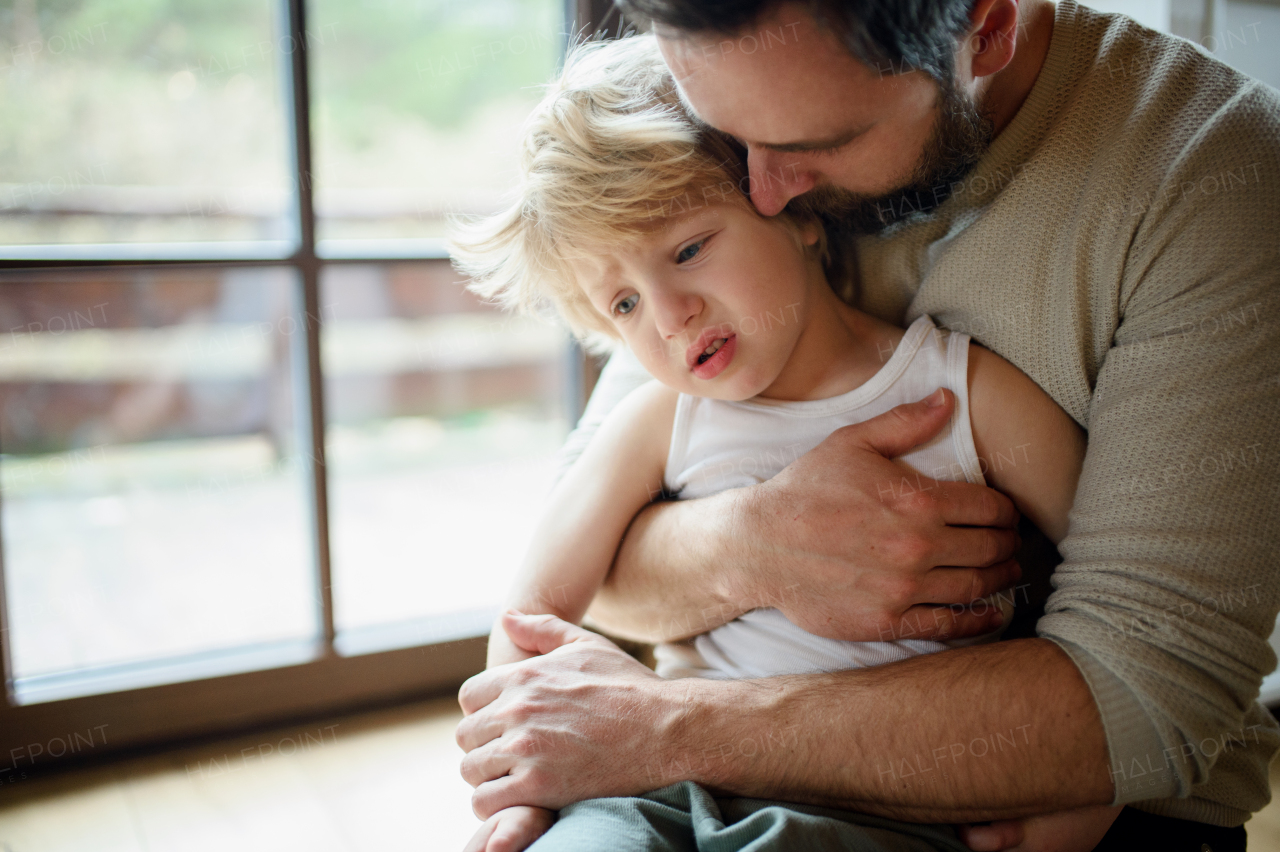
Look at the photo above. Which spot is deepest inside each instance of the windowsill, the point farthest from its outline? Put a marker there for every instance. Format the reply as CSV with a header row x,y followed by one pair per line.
x,y
100,680
382,249
416,632
374,639
194,251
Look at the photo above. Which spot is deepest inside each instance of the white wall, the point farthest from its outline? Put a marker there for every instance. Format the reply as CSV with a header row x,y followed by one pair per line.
x,y
1244,35
1250,40
1149,13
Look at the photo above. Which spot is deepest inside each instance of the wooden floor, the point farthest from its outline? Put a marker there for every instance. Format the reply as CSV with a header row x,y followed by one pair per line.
x,y
378,782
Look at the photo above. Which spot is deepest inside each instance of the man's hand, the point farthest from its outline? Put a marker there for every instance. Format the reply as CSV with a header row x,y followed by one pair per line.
x,y
553,730
583,720
847,543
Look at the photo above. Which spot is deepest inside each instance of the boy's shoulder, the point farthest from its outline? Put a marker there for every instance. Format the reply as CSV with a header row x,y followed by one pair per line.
x,y
644,417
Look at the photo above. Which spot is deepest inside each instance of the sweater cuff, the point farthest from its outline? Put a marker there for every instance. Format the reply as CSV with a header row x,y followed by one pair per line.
x,y
1138,766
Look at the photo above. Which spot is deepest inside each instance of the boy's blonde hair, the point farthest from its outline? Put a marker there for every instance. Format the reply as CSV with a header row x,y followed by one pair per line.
x,y
606,156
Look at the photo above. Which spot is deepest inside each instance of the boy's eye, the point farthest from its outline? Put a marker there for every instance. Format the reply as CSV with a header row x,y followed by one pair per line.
x,y
627,305
690,251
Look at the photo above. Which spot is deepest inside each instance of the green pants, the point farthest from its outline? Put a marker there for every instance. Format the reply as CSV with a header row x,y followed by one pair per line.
x,y
685,818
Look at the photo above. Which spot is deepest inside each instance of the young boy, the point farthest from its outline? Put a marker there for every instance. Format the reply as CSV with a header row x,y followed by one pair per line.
x,y
636,224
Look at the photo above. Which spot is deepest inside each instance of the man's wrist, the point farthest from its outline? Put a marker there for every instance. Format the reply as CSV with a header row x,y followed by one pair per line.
x,y
690,731
729,736
727,522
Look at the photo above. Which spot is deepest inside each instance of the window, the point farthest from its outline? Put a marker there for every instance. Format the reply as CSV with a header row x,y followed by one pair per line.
x,y
261,453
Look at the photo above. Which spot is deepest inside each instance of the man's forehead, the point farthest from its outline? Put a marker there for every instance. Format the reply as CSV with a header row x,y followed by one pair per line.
x,y
781,81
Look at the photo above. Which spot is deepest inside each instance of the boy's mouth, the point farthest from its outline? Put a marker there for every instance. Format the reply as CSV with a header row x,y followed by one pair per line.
x,y
711,353
711,350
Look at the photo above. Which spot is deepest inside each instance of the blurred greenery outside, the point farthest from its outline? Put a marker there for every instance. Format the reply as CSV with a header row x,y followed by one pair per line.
x,y
164,120
143,120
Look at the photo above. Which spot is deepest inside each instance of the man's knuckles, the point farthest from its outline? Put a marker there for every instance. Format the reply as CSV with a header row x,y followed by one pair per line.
x,y
464,734
989,508
907,550
471,772
990,547
485,803
467,695
912,498
531,787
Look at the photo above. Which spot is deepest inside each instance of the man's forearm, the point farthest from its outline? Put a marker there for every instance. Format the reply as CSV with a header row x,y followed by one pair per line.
x,y
666,581
991,732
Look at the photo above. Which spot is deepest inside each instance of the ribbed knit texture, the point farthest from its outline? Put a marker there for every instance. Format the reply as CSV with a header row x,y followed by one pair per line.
x,y
1120,242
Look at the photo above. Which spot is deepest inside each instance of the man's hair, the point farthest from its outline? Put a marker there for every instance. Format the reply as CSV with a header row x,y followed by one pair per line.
x,y
894,36
606,157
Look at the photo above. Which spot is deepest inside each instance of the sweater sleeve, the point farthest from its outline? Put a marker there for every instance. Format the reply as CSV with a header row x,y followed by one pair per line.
x,y
1167,593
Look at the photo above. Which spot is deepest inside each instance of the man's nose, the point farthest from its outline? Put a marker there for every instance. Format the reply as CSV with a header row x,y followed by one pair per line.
x,y
674,310
775,179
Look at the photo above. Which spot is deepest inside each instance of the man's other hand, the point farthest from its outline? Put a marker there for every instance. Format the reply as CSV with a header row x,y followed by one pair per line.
x,y
851,545
580,720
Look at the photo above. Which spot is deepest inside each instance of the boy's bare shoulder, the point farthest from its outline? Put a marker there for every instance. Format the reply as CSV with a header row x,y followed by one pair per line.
x,y
651,400
645,415
1014,418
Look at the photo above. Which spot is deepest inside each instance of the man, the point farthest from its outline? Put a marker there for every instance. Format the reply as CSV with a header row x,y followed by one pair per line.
x,y
1100,205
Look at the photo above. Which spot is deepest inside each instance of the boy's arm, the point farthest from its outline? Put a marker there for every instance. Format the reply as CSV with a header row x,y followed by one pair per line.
x,y
588,512
1031,449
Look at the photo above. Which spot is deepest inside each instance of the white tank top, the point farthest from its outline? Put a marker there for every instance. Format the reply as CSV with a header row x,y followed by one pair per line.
x,y
717,445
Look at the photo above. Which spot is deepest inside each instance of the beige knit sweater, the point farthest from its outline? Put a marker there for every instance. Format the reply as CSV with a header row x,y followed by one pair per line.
x,y
1120,242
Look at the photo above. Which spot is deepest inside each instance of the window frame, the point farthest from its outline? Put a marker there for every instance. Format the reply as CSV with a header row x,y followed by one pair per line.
x,y
292,680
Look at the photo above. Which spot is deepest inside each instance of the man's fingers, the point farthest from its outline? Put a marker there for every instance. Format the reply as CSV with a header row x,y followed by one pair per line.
x,y
475,731
479,690
486,764
974,547
899,429
957,587
966,504
542,634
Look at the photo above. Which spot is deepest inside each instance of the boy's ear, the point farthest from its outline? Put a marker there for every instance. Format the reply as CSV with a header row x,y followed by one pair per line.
x,y
810,232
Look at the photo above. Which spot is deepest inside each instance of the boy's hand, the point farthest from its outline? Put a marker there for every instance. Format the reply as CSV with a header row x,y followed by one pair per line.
x,y
502,650
1065,831
511,830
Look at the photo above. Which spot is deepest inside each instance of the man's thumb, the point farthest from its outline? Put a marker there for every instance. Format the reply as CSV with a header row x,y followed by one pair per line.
x,y
900,429
540,634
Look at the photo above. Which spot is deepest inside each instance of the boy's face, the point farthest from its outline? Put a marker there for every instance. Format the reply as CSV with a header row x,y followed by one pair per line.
x,y
713,302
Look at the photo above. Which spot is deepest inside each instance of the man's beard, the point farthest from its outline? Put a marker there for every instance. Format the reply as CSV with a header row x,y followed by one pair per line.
x,y
960,138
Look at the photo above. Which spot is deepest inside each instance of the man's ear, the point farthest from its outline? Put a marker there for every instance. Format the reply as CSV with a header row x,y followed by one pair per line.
x,y
992,37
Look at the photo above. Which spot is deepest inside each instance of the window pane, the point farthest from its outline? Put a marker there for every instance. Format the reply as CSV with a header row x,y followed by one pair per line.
x,y
128,122
416,106
444,419
153,494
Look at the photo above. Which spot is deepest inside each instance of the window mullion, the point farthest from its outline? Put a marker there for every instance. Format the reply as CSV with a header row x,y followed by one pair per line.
x,y
311,435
